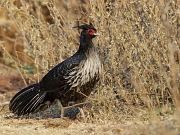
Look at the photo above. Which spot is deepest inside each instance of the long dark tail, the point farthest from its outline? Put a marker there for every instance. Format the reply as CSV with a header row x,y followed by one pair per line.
x,y
27,100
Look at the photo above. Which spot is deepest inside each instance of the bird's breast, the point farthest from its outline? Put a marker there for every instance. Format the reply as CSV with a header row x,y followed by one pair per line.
x,y
88,70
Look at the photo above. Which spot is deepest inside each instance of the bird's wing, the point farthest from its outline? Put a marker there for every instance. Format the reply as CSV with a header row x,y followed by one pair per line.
x,y
54,79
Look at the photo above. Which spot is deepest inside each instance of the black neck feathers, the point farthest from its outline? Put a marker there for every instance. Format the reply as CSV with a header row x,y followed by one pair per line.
x,y
85,42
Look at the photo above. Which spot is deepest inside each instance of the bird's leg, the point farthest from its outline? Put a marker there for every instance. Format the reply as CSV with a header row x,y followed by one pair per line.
x,y
62,109
82,113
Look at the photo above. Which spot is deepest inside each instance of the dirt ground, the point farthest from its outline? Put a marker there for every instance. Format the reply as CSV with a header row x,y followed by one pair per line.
x,y
11,82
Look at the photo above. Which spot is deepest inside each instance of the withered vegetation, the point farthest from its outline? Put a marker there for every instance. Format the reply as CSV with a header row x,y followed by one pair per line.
x,y
138,46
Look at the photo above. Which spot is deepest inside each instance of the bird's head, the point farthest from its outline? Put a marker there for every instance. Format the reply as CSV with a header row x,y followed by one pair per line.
x,y
90,30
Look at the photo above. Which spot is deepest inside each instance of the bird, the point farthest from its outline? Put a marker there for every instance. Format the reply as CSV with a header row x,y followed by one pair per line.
x,y
72,80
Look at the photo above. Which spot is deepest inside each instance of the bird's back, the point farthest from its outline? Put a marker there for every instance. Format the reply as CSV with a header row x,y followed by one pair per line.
x,y
55,80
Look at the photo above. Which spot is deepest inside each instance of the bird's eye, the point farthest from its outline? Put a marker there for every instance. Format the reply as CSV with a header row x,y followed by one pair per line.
x,y
91,31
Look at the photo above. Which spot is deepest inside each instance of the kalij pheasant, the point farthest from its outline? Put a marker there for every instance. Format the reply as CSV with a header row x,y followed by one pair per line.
x,y
70,81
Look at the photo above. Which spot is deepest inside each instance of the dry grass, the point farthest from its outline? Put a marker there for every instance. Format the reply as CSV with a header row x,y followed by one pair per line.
x,y
139,49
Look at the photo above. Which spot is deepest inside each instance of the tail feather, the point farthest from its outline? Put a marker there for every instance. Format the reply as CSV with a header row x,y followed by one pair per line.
x,y
21,94
33,103
27,100
17,103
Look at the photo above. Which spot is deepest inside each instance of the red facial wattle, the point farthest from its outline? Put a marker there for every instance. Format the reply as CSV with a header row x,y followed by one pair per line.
x,y
91,31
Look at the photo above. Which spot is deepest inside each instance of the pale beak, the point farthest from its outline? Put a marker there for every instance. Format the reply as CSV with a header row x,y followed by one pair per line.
x,y
96,34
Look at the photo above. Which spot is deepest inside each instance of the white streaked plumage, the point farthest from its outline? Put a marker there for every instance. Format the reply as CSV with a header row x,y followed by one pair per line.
x,y
87,70
38,101
20,96
29,104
